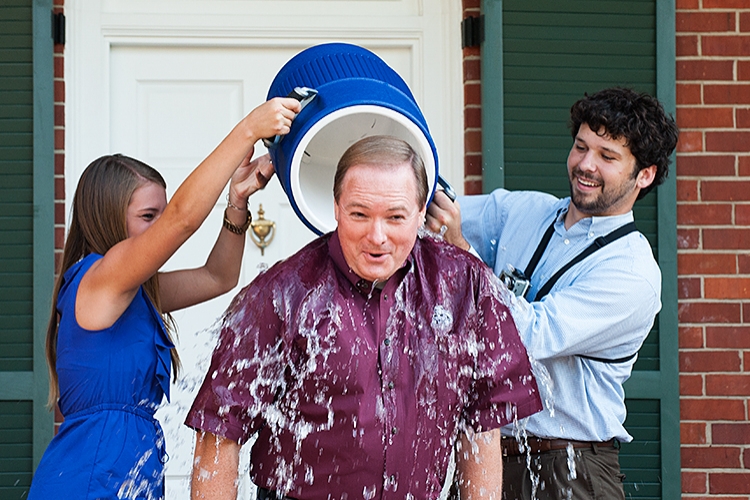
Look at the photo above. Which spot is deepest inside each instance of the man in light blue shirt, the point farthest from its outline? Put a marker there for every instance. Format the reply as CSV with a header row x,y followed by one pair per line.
x,y
583,323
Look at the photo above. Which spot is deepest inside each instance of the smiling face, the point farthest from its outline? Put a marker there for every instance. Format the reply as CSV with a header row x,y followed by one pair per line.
x,y
602,174
378,216
146,205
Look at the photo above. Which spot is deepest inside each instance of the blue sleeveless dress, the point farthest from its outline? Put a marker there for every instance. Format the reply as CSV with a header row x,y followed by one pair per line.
x,y
111,381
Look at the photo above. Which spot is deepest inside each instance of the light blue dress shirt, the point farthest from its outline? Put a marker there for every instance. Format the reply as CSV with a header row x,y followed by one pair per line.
x,y
603,306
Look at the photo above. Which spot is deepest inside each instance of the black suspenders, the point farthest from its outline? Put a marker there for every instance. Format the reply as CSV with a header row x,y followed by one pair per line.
x,y
598,243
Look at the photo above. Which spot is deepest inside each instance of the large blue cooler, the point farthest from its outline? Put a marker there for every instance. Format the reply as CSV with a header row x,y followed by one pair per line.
x,y
358,95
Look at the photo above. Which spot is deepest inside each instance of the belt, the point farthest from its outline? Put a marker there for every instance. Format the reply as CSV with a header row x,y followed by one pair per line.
x,y
145,412
535,445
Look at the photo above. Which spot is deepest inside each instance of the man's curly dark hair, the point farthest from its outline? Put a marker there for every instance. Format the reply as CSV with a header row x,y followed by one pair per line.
x,y
640,119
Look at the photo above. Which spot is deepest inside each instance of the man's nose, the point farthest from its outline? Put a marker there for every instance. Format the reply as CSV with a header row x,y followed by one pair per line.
x,y
377,233
587,161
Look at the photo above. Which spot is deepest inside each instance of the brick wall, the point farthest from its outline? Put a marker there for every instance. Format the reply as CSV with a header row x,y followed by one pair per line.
x,y
472,111
713,219
59,89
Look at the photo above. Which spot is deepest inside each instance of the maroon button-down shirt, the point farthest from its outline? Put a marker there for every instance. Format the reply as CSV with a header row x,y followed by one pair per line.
x,y
357,391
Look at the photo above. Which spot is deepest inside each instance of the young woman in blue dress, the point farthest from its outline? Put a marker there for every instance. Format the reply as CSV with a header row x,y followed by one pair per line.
x,y
109,351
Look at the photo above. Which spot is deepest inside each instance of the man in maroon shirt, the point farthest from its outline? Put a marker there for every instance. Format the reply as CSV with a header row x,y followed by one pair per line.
x,y
361,360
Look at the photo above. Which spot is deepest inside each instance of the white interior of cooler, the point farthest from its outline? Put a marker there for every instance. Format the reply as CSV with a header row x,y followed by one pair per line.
x,y
313,165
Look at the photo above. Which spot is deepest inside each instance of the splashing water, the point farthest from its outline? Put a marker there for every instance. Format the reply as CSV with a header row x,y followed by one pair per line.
x,y
572,473
369,493
546,385
522,438
442,319
423,232
135,486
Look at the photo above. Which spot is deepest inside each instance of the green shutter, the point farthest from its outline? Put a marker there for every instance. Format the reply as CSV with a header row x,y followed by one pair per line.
x,y
640,459
26,236
16,190
16,448
539,58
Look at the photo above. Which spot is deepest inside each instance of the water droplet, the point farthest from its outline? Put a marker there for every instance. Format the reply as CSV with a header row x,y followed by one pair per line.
x,y
442,320
369,493
572,473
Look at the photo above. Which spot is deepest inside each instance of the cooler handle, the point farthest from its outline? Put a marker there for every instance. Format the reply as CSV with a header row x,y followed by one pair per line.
x,y
447,188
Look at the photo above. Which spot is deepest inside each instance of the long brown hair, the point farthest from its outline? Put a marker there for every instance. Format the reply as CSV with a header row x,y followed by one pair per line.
x,y
98,222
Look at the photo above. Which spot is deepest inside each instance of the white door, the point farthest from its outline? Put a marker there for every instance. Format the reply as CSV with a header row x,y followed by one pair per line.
x,y
164,81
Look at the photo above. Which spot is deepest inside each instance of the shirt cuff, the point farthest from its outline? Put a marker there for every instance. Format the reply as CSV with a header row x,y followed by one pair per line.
x,y
499,416
225,427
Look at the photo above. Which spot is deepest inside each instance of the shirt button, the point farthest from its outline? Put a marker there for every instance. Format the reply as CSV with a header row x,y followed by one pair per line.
x,y
591,234
566,241
385,296
392,479
394,430
391,385
387,342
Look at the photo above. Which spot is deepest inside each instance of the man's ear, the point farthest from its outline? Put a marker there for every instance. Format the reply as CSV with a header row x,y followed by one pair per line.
x,y
646,177
335,210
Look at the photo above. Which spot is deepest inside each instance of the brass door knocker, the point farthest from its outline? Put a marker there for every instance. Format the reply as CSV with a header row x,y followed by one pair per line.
x,y
263,229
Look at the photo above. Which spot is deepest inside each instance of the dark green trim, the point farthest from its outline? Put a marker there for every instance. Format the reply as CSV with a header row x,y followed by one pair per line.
x,y
16,385
667,235
493,134
44,213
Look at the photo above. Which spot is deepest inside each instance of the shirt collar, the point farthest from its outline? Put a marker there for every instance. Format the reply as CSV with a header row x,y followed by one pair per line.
x,y
365,286
599,225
